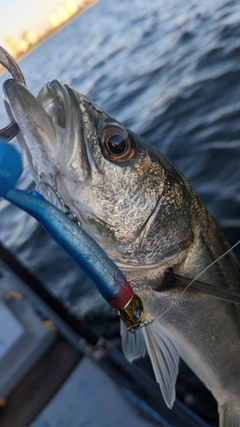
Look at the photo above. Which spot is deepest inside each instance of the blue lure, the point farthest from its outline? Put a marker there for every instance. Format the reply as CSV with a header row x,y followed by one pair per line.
x,y
86,253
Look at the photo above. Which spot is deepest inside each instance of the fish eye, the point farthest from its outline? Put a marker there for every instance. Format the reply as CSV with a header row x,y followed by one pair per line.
x,y
116,144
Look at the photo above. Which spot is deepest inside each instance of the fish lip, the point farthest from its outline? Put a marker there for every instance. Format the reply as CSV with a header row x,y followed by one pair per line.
x,y
58,101
58,106
54,99
34,124
52,132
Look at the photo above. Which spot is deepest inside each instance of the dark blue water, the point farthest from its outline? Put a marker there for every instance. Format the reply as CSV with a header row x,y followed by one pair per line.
x,y
171,72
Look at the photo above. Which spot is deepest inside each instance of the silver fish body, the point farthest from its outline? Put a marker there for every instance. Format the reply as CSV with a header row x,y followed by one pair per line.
x,y
145,215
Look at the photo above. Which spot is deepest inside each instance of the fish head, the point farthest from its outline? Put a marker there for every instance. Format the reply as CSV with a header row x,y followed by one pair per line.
x,y
125,194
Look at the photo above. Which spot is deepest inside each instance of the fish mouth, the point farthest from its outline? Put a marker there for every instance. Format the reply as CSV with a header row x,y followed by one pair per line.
x,y
52,134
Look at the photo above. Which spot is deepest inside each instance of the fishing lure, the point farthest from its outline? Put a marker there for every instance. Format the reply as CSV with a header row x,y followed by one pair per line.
x,y
83,250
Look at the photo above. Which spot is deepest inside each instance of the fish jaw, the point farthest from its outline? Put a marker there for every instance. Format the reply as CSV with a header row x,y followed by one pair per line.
x,y
51,133
36,128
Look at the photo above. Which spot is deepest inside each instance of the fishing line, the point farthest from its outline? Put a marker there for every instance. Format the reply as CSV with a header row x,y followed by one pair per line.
x,y
203,271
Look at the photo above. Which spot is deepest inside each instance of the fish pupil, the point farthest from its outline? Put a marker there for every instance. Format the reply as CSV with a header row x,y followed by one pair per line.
x,y
117,144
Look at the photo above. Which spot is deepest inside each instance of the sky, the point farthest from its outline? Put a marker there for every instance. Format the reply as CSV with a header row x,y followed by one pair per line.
x,y
18,16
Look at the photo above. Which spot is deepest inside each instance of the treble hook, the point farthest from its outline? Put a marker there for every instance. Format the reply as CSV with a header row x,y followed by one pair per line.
x,y
10,131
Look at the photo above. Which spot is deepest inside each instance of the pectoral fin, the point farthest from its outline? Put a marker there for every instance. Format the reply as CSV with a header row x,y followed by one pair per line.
x,y
164,357
174,280
162,351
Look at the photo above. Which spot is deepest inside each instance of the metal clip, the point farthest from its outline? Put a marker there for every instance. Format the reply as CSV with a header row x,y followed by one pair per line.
x,y
132,313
